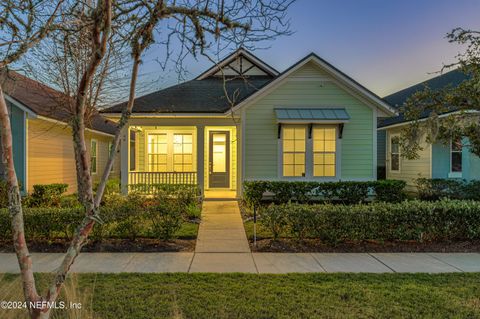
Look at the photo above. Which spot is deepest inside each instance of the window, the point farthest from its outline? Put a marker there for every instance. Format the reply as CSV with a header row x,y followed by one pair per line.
x,y
157,152
456,156
182,153
93,156
294,151
395,153
133,150
324,151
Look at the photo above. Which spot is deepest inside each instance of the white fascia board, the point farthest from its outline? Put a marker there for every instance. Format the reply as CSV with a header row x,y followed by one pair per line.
x,y
63,123
426,118
21,106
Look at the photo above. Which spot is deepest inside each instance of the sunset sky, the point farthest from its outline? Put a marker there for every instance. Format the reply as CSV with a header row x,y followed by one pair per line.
x,y
385,45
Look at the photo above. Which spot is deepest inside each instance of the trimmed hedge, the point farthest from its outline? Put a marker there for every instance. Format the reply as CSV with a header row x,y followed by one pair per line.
x,y
437,188
304,192
46,195
125,217
410,220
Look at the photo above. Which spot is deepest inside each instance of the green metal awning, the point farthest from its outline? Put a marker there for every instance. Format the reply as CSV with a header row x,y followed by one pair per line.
x,y
315,115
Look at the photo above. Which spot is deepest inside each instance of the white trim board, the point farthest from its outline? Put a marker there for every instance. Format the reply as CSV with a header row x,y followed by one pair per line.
x,y
426,118
21,106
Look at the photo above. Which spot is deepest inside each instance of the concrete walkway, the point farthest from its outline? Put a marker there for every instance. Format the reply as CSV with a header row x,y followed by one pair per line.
x,y
254,262
221,229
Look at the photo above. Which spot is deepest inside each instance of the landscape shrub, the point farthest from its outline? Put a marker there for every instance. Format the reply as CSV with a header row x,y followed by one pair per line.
x,y
300,220
444,220
340,192
3,194
43,222
193,211
125,215
275,220
46,195
165,218
111,187
437,188
389,190
68,201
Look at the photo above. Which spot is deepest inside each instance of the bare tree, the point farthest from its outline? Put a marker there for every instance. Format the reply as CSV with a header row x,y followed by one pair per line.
x,y
23,24
86,42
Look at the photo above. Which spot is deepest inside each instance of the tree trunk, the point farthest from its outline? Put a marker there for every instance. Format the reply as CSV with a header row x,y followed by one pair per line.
x,y
121,124
15,208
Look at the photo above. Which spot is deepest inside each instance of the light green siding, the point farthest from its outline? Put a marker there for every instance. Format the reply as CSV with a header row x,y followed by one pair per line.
x,y
309,87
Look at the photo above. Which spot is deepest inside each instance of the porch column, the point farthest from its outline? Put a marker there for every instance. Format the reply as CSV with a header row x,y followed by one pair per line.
x,y
200,157
124,159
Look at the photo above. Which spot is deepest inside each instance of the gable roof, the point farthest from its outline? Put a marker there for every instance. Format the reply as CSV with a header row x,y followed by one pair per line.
x,y
43,100
453,78
206,93
336,73
240,53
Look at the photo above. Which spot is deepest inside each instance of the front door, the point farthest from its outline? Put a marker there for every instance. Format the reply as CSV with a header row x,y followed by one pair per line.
x,y
219,159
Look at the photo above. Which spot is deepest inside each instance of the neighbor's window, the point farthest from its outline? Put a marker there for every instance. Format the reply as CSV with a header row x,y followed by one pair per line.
x,y
456,155
93,156
182,152
324,151
294,151
157,152
395,153
133,162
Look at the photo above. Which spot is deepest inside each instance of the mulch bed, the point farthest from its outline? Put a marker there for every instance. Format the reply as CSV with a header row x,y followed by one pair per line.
x,y
288,245
108,245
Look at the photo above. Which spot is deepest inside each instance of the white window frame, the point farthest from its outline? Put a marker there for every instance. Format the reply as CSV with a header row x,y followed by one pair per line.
x,y
94,172
170,131
337,152
306,156
309,156
391,137
453,174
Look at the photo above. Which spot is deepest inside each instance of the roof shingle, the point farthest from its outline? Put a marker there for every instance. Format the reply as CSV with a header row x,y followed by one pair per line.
x,y
43,100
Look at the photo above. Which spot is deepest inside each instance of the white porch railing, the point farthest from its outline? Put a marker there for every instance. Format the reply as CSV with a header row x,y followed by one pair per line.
x,y
145,181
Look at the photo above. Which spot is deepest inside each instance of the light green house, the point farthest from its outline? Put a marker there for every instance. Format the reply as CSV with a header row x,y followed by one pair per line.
x,y
243,120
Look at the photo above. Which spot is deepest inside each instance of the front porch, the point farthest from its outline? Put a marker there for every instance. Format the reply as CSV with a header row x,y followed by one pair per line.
x,y
198,154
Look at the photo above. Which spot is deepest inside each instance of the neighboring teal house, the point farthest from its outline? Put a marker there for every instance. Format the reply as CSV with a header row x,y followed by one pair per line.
x,y
18,118
309,122
435,161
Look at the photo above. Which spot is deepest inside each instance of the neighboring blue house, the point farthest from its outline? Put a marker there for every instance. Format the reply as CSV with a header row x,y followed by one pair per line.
x,y
435,161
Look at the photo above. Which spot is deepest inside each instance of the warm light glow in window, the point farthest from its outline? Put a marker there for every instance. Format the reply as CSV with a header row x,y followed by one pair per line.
x,y
157,152
219,162
294,151
324,151
182,153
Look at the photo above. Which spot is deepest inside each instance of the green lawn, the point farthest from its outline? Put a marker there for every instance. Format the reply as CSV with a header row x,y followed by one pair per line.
x,y
187,231
268,296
